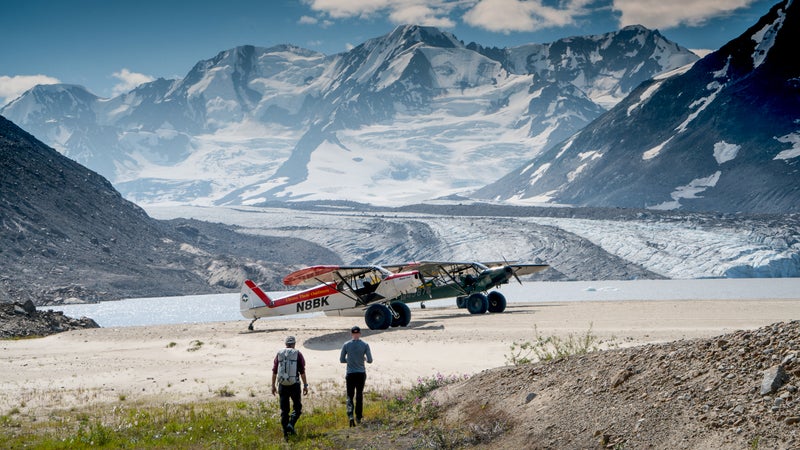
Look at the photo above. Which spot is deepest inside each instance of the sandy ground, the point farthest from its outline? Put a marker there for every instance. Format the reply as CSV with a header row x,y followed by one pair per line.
x,y
197,361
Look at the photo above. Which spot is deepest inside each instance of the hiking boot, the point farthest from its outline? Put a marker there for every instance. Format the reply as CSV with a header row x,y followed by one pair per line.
x,y
352,423
290,429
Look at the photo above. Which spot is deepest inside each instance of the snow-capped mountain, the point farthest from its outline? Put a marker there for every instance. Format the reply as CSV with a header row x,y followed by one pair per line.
x,y
723,135
404,117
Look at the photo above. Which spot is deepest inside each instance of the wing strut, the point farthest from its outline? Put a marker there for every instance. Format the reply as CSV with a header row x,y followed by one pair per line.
x,y
449,275
357,299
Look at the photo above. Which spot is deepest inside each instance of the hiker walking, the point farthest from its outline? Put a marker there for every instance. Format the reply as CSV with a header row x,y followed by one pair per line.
x,y
288,364
354,353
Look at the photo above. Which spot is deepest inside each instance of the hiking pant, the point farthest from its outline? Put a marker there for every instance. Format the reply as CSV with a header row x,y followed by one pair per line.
x,y
286,393
355,388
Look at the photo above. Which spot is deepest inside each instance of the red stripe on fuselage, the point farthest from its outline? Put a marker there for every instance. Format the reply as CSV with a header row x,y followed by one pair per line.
x,y
310,294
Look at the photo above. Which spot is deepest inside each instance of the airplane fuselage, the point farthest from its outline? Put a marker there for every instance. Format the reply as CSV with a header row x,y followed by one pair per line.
x,y
317,299
254,303
447,287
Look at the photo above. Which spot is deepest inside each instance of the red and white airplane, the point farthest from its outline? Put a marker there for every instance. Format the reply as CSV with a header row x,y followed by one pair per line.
x,y
337,288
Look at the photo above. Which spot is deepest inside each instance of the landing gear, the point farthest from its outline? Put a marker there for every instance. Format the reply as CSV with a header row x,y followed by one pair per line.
x,y
378,317
402,314
497,302
477,303
381,317
250,327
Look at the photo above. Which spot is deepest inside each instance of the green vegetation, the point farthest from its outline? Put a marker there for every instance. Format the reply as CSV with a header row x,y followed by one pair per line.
x,y
409,418
195,346
553,347
227,421
212,424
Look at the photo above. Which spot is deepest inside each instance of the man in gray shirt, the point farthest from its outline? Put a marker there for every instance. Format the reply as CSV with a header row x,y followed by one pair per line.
x,y
354,353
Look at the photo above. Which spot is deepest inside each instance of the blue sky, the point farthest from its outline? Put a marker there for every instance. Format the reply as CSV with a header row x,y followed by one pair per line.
x,y
110,46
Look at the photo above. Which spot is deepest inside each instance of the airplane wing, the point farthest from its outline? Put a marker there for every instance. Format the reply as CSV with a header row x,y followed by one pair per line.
x,y
309,276
430,269
527,269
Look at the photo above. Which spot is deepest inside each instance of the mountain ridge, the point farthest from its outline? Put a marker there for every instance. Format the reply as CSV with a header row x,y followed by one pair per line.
x,y
255,124
719,136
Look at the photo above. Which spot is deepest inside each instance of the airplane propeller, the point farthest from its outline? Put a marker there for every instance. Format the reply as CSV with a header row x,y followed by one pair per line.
x,y
513,272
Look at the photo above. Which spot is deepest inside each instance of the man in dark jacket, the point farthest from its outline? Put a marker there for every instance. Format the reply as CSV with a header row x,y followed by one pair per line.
x,y
354,353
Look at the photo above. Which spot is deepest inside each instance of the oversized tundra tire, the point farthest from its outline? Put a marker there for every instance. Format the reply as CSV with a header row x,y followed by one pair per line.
x,y
461,302
403,314
477,303
497,302
378,317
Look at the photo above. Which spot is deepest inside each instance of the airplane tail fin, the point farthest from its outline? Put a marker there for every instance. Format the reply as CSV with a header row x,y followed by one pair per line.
x,y
252,296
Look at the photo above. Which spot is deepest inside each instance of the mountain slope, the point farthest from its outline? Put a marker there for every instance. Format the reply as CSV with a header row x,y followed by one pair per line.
x,y
404,117
722,135
66,233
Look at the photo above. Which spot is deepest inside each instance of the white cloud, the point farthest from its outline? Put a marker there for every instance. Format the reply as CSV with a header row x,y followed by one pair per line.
x,y
667,14
307,20
507,16
128,81
494,15
340,9
13,87
418,12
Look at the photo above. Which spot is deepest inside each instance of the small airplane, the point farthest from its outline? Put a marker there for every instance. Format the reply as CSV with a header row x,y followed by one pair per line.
x,y
467,281
337,288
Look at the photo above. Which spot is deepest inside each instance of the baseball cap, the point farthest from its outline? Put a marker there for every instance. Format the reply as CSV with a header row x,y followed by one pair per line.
x,y
290,340
355,330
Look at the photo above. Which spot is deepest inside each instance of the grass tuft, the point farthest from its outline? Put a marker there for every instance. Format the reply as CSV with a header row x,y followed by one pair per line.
x,y
410,418
547,348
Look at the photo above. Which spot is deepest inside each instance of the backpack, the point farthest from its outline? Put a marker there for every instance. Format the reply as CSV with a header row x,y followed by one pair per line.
x,y
287,366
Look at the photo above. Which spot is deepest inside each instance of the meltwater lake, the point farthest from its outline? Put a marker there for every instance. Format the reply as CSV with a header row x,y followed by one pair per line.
x,y
225,307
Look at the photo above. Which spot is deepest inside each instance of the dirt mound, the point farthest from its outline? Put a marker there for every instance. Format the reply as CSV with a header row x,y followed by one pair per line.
x,y
734,391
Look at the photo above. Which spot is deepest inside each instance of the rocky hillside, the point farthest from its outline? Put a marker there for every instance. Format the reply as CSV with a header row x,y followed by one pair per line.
x,y
734,391
738,390
67,235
